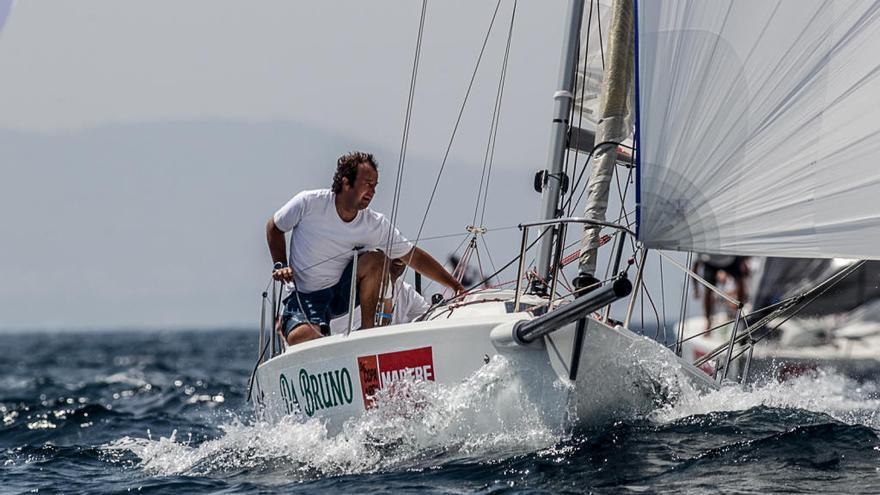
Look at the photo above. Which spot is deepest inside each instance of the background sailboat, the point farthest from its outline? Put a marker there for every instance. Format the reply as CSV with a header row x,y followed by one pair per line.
x,y
839,330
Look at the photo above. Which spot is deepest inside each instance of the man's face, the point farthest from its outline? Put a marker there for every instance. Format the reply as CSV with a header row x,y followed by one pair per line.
x,y
364,186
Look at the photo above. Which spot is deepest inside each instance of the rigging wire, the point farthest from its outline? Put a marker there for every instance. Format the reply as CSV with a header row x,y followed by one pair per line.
x,y
583,92
515,259
784,304
845,273
457,123
798,302
629,178
570,205
662,298
477,230
601,45
488,251
581,175
490,277
264,344
407,122
642,314
683,306
404,142
455,128
454,251
496,119
488,160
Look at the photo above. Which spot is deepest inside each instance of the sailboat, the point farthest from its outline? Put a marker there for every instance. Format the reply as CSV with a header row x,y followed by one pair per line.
x,y
756,133
839,331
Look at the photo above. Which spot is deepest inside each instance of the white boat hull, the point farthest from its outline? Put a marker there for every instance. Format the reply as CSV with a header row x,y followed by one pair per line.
x,y
334,378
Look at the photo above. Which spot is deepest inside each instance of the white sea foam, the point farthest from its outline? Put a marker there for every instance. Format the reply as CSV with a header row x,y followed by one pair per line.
x,y
486,416
822,391
130,377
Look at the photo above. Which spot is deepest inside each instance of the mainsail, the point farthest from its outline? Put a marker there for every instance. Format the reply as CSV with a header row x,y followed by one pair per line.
x,y
588,78
595,27
759,127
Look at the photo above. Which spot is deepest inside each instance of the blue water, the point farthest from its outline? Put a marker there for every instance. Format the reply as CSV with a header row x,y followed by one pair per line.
x,y
164,412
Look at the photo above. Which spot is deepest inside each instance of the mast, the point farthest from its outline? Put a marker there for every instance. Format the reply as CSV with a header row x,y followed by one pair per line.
x,y
563,99
612,128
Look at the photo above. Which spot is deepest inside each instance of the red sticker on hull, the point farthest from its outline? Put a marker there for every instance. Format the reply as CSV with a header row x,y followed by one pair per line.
x,y
380,371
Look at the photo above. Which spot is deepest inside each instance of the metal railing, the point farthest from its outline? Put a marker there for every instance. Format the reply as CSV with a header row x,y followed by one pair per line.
x,y
561,227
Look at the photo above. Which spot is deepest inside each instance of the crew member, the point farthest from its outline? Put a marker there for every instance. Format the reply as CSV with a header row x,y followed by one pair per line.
x,y
402,304
716,268
326,226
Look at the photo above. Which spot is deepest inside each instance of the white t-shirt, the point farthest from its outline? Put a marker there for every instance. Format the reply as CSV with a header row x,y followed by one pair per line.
x,y
408,305
321,244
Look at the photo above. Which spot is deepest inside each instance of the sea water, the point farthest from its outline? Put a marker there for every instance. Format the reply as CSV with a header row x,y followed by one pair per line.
x,y
163,412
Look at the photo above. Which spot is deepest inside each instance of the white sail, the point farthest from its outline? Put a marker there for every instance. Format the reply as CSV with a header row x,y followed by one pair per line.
x,y
588,79
595,25
5,8
759,127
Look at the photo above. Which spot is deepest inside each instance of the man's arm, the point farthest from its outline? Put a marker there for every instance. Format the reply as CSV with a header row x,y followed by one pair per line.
x,y
277,248
425,264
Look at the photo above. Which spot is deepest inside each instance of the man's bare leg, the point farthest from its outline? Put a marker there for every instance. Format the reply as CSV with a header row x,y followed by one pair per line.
x,y
369,278
740,289
708,297
303,332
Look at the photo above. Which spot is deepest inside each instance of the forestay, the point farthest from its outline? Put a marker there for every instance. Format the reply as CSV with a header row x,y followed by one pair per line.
x,y
759,127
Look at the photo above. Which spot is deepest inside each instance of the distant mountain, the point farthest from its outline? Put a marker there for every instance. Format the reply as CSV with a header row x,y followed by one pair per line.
x,y
161,224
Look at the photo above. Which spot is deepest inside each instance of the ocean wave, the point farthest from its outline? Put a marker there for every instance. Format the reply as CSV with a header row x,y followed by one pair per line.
x,y
487,418
484,417
822,391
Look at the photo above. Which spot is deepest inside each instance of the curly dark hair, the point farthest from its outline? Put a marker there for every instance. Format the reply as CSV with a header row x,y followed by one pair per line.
x,y
347,166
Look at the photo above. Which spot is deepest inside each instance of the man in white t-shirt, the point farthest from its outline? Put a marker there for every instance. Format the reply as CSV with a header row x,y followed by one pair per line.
x,y
403,304
327,226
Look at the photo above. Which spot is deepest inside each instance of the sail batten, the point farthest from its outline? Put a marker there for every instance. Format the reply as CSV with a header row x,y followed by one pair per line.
x,y
759,127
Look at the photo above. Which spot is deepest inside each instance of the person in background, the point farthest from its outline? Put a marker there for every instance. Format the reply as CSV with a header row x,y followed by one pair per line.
x,y
715,269
327,226
402,303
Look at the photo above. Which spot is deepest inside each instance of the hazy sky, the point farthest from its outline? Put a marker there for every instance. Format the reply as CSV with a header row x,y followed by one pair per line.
x,y
337,65
146,143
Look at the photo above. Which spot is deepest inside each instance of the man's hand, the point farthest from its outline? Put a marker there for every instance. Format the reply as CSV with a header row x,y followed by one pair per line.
x,y
423,263
284,274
